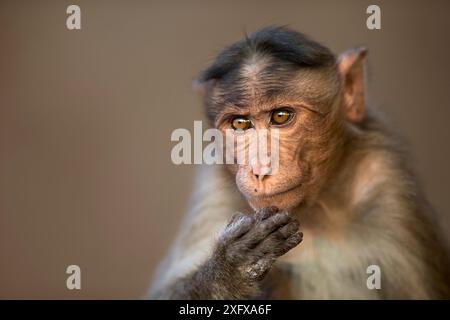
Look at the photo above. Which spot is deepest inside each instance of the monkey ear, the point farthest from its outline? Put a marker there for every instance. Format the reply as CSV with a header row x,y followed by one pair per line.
x,y
351,65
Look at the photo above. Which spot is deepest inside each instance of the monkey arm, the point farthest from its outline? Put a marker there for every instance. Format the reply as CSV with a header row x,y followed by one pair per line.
x,y
214,279
231,267
244,253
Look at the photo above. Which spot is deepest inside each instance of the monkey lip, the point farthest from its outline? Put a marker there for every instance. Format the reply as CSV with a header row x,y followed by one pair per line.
x,y
284,200
265,195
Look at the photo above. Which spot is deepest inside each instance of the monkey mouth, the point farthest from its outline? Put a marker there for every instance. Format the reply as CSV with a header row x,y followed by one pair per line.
x,y
266,195
284,200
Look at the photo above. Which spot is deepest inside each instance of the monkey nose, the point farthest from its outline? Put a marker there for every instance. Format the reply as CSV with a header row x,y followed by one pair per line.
x,y
260,172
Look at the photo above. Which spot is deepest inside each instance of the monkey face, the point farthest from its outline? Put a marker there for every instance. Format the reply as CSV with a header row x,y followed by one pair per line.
x,y
304,139
258,90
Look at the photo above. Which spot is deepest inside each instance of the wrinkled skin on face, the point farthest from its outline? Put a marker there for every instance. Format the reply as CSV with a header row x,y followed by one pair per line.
x,y
309,143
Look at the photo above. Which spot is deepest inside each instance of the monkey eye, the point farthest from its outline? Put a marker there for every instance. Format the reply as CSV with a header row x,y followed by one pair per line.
x,y
281,116
240,123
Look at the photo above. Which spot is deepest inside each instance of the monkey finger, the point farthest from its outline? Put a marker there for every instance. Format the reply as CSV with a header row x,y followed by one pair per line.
x,y
274,222
273,246
238,226
287,230
293,241
265,213
235,217
263,228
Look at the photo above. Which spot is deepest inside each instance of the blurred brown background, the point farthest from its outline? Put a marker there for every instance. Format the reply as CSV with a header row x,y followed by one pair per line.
x,y
86,118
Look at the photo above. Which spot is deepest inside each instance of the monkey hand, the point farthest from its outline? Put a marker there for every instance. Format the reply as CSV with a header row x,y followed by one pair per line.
x,y
245,252
249,245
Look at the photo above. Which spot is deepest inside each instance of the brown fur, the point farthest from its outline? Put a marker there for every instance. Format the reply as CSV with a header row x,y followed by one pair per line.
x,y
342,174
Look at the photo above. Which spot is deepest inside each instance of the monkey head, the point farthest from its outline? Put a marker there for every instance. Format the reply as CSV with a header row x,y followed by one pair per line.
x,y
280,79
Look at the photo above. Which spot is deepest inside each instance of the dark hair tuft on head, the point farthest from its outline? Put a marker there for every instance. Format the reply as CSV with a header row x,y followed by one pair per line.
x,y
280,43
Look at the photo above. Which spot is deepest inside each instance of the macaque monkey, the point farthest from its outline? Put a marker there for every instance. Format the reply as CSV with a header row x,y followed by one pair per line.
x,y
343,180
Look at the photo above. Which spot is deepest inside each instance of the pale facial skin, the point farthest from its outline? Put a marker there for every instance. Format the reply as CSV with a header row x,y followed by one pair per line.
x,y
311,132
262,190
299,146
